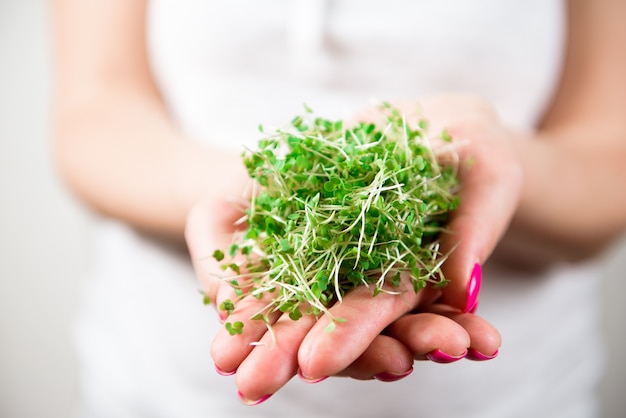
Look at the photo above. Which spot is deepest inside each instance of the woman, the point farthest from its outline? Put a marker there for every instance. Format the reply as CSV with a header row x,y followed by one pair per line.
x,y
137,81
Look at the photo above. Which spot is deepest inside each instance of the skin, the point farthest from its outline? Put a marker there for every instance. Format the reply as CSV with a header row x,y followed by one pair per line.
x,y
535,199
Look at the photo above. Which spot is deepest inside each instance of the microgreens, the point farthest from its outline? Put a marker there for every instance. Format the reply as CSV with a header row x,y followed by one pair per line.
x,y
338,207
234,328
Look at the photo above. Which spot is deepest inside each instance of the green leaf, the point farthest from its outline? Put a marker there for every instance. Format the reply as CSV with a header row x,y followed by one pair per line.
x,y
228,306
295,314
235,328
205,298
234,267
297,121
284,245
446,136
218,255
396,279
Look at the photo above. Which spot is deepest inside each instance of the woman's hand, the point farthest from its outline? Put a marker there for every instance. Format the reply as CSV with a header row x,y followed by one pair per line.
x,y
490,175
380,338
365,347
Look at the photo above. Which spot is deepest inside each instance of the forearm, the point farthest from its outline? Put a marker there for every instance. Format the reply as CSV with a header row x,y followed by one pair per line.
x,y
571,205
121,153
114,140
573,201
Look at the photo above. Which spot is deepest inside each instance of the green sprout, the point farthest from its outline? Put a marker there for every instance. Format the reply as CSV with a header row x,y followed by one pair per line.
x,y
338,207
228,306
234,328
206,299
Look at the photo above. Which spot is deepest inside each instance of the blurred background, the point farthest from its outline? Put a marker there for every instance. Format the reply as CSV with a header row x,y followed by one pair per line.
x,y
44,237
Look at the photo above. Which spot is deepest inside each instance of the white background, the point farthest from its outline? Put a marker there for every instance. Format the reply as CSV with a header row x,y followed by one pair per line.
x,y
44,233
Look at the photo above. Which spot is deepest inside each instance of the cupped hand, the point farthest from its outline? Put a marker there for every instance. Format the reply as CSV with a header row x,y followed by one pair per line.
x,y
490,176
383,335
491,180
380,339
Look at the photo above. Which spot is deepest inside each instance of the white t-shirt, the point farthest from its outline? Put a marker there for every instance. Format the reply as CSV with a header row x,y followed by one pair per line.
x,y
143,335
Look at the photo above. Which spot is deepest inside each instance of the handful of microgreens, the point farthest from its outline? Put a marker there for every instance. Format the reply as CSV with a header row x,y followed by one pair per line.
x,y
337,207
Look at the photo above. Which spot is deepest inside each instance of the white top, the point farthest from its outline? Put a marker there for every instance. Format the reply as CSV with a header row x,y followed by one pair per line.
x,y
143,336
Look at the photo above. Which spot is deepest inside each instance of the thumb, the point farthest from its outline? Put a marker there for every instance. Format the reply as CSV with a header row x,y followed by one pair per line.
x,y
491,181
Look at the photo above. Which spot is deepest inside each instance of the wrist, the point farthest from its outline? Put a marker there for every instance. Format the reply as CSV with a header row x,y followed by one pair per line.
x,y
201,173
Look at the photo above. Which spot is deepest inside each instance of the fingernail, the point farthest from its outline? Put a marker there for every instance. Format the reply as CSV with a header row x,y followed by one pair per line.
x,y
221,316
475,308
473,288
223,372
439,356
392,377
310,379
478,356
250,402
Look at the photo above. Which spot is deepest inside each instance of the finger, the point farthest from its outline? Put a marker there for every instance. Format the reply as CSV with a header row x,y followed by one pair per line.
x,y
228,350
273,362
365,317
204,234
488,199
485,340
447,332
426,333
490,178
386,359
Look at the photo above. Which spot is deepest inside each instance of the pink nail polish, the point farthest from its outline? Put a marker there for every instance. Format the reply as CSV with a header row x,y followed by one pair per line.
x,y
473,288
478,356
221,316
223,372
392,377
439,356
309,379
475,308
250,402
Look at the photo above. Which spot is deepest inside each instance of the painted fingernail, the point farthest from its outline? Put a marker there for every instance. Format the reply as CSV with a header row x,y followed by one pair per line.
x,y
221,316
478,356
392,377
475,308
250,402
223,372
473,288
310,379
439,356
